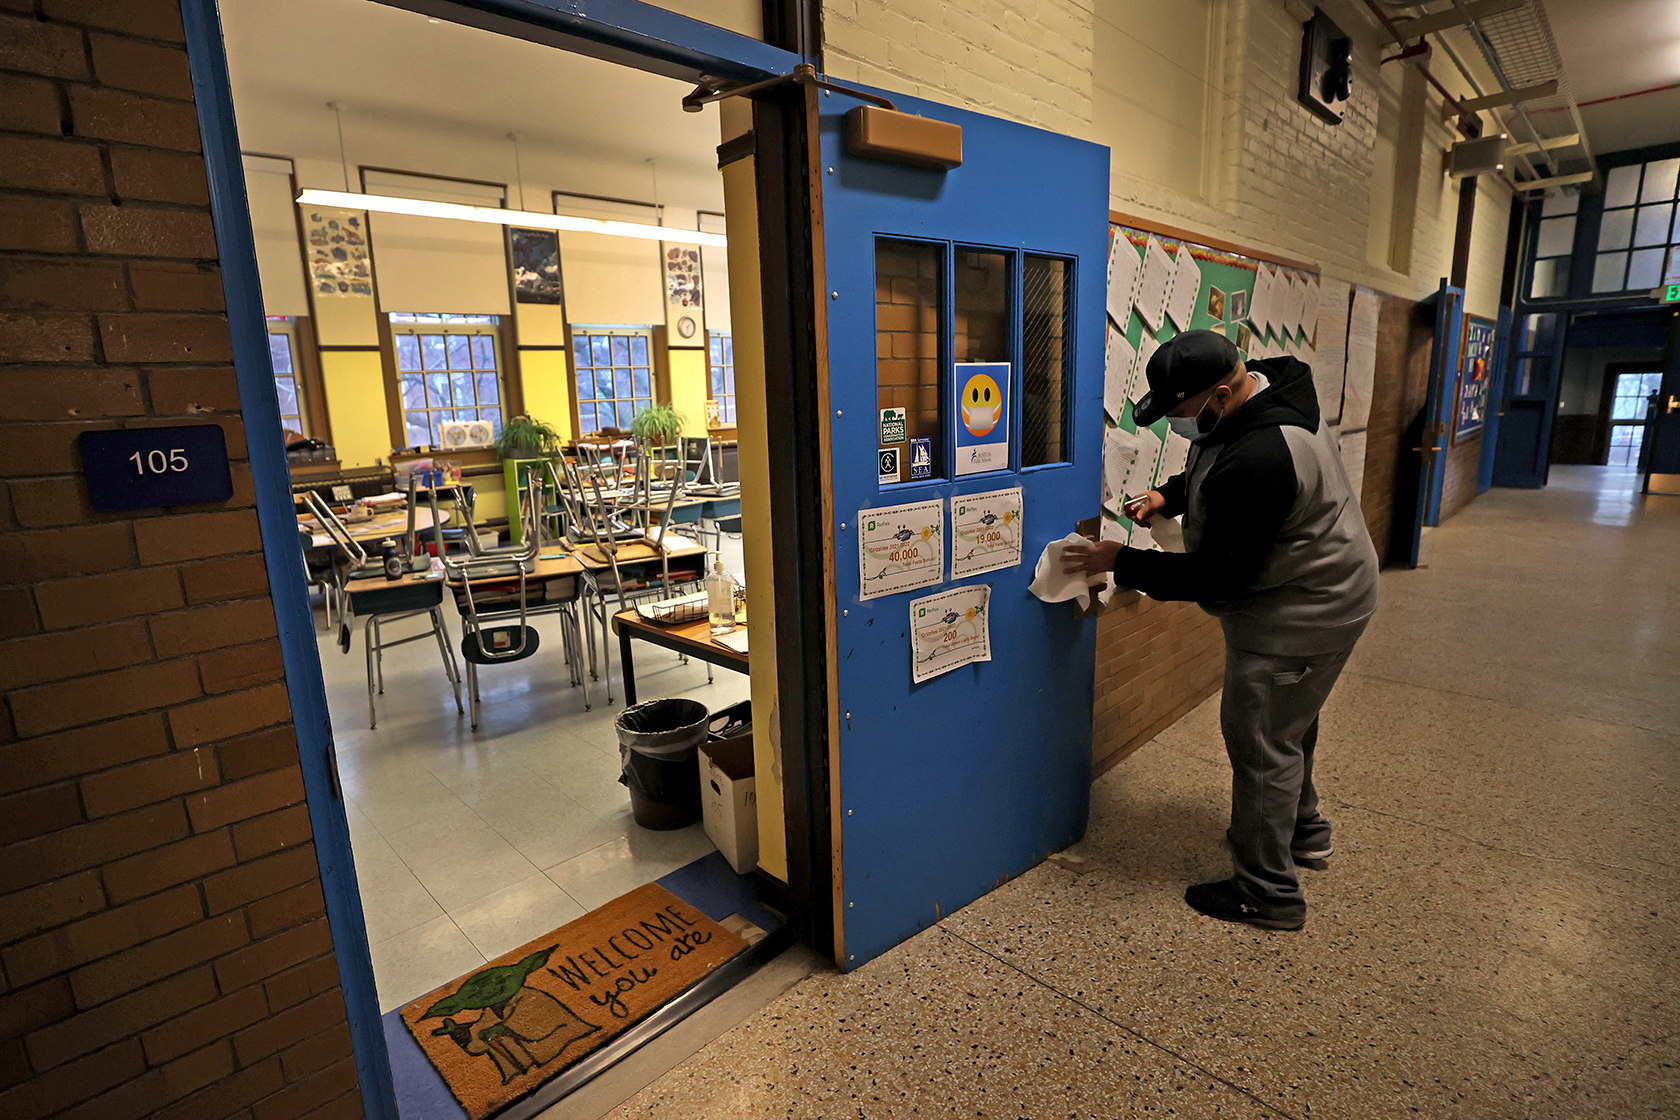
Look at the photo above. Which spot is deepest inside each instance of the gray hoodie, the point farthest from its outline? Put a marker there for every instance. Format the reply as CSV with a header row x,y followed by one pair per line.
x,y
1276,543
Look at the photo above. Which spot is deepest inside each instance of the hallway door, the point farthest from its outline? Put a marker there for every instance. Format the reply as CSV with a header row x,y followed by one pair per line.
x,y
965,358
1662,431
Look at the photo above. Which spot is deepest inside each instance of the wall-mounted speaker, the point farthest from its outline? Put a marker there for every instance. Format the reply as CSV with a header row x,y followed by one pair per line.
x,y
1326,67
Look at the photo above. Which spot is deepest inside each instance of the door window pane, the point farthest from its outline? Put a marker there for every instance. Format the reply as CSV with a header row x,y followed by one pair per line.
x,y
909,277
1537,332
1621,186
1633,393
1046,339
1616,230
1659,180
1645,268
1625,441
1551,278
1557,237
1609,272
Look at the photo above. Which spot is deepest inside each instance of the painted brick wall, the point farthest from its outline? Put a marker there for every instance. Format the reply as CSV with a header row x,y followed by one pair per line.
x,y
163,943
1459,486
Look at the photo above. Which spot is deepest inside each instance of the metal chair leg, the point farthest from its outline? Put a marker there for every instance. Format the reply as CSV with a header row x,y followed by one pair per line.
x,y
472,692
368,640
441,632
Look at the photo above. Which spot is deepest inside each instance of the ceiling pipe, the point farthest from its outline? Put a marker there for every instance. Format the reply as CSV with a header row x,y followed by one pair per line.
x,y
1395,30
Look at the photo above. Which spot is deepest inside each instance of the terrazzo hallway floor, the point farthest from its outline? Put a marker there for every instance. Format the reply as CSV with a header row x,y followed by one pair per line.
x,y
1497,934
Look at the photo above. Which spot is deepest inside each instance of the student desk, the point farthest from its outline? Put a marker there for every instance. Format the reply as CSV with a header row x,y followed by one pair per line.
x,y
392,523
691,638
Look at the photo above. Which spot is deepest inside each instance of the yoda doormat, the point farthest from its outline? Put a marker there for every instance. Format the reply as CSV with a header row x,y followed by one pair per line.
x,y
500,1032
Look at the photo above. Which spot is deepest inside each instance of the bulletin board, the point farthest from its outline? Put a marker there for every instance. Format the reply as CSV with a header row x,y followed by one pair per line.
x,y
1163,281
1475,368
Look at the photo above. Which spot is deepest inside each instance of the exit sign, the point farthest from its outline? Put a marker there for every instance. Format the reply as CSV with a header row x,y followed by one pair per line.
x,y
1671,294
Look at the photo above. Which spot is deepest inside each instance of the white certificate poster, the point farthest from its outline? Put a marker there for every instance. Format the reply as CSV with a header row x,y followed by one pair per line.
x,y
985,532
949,630
900,548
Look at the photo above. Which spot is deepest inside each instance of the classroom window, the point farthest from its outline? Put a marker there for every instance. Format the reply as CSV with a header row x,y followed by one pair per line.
x,y
288,387
614,370
1627,416
1046,335
1554,241
1640,229
909,278
720,359
448,368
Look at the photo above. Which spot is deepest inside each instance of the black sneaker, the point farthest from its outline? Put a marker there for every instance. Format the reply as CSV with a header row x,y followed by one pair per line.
x,y
1224,901
1316,859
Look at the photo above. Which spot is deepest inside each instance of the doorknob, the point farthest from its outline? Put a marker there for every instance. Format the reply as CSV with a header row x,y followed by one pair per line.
x,y
1672,403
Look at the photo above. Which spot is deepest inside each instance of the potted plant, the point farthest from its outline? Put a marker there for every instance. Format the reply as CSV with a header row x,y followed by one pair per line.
x,y
657,424
525,438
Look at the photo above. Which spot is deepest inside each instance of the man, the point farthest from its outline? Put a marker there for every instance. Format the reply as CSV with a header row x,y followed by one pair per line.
x,y
1276,549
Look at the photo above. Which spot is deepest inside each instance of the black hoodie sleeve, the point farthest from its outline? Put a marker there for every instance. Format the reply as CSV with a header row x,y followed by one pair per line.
x,y
1247,496
1175,491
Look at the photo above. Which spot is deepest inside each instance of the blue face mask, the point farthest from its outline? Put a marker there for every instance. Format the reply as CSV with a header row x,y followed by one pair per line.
x,y
1184,426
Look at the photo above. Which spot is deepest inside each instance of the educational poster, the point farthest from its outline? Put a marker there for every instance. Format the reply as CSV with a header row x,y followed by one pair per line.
x,y
900,548
949,630
985,532
982,416
1474,375
339,264
685,306
536,265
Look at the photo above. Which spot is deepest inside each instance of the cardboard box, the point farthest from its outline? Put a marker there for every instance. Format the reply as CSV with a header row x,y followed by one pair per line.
x,y
729,800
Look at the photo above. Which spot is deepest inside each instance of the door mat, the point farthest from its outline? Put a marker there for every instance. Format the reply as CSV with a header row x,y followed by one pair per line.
x,y
500,1032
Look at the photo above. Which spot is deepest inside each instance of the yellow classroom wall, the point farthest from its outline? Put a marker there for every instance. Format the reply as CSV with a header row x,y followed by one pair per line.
x,y
355,382
688,389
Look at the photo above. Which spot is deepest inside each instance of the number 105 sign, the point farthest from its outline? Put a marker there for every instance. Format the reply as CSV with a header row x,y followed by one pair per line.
x,y
148,468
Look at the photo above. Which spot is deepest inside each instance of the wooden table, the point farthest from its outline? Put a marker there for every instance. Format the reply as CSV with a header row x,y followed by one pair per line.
x,y
393,523
691,638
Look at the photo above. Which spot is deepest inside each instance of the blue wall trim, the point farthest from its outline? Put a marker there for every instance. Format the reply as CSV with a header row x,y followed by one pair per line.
x,y
281,553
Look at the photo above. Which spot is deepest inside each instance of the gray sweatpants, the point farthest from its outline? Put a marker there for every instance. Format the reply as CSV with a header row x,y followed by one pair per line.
x,y
1269,715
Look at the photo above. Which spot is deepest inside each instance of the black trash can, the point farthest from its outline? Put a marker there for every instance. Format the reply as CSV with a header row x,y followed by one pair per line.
x,y
657,743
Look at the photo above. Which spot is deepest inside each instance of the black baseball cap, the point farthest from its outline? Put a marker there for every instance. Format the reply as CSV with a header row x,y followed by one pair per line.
x,y
1185,365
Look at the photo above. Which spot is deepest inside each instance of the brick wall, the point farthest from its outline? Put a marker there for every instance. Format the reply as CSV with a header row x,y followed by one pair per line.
x,y
1459,487
907,338
1155,661
163,942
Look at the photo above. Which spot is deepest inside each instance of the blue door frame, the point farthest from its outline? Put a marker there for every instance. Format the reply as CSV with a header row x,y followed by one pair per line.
x,y
949,787
1438,412
621,31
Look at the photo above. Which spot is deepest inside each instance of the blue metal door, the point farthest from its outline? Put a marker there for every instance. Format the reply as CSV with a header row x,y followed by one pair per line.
x,y
945,789
1438,411
1495,404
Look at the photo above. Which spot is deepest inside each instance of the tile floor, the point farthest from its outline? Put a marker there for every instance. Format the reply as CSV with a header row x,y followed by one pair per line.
x,y
1496,935
470,844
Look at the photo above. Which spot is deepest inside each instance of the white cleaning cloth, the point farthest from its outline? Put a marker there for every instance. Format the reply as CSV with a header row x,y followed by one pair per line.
x,y
1053,585
1168,533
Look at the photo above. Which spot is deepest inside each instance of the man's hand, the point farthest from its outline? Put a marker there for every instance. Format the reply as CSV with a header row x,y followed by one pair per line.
x,y
1092,558
1143,510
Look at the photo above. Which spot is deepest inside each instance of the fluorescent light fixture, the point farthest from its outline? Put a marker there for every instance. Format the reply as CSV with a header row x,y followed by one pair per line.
x,y
496,216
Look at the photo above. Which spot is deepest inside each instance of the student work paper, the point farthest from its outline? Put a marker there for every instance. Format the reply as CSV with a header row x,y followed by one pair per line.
x,y
1330,365
1361,359
1309,313
1174,454
1140,476
1120,451
1139,384
1155,285
1117,379
1124,268
1296,321
1186,288
1260,307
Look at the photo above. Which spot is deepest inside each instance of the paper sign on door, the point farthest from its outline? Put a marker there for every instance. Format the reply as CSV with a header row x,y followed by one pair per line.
x,y
982,416
900,548
985,532
948,630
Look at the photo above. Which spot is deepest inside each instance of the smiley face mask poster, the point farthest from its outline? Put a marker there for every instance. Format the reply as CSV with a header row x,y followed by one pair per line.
x,y
982,412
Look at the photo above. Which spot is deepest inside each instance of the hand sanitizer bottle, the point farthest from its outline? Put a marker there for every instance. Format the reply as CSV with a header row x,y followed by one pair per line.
x,y
720,598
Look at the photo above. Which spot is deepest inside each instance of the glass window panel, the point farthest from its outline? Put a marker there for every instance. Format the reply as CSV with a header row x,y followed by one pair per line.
x,y
465,393
419,431
413,391
1557,237
586,384
714,349
728,411
1659,180
981,306
626,413
729,350
600,347
639,349
717,380
1560,203
460,351
489,391
483,352
603,384
586,417
620,350
285,388
1551,278
1609,272
621,384
908,279
1616,230
1046,305
1537,332
1621,185
642,383
1651,227
580,351
408,352
432,352
280,353
494,415
1625,443
437,390
1650,383
1645,268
